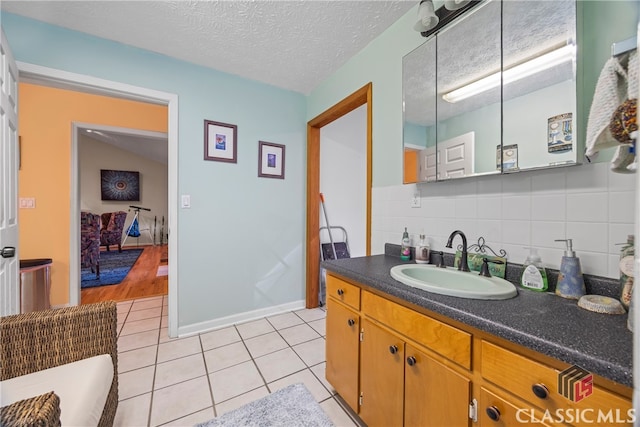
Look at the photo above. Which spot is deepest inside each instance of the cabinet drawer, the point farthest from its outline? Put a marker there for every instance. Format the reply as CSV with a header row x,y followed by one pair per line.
x,y
343,291
494,411
445,340
518,375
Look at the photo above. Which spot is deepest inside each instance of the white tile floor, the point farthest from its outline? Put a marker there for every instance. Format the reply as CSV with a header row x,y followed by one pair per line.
x,y
181,382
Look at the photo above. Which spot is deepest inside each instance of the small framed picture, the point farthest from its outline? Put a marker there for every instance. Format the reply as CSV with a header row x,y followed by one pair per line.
x,y
271,160
220,142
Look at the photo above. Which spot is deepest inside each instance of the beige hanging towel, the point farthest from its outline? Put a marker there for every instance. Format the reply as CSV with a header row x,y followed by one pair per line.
x,y
611,91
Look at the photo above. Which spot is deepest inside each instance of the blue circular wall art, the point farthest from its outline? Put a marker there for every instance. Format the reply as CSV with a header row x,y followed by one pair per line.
x,y
120,185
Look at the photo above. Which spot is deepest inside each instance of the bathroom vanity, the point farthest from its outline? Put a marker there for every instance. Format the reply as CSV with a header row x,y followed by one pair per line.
x,y
398,355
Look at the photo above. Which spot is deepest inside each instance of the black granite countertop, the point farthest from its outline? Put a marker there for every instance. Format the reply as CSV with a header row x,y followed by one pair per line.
x,y
543,322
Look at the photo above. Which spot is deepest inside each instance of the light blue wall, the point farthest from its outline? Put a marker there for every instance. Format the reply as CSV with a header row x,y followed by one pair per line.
x,y
415,134
381,63
241,244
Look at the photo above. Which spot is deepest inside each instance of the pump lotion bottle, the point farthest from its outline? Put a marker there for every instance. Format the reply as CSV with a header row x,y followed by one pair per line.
x,y
570,281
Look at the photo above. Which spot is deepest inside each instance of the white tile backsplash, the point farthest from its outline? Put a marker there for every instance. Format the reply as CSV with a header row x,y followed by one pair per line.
x,y
548,207
589,204
621,206
516,207
543,233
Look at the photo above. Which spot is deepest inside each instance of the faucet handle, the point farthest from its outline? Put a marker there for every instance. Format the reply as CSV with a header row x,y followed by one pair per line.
x,y
484,270
441,262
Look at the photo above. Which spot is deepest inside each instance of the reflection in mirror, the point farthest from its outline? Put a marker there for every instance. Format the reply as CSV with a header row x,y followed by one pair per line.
x,y
485,121
539,110
468,128
419,103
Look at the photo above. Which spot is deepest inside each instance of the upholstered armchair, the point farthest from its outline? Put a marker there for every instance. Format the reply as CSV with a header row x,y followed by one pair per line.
x,y
90,241
111,231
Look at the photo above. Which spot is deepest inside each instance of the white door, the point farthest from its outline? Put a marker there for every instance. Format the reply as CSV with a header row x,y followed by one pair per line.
x,y
453,159
455,156
9,261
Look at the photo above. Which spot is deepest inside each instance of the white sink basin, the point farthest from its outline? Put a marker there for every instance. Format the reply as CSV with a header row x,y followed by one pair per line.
x,y
450,281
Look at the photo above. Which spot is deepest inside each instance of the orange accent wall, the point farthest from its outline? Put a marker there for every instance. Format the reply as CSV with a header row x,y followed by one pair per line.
x,y
410,166
45,125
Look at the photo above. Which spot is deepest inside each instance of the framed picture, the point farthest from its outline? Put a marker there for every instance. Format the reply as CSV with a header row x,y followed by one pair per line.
x,y
220,142
120,185
271,160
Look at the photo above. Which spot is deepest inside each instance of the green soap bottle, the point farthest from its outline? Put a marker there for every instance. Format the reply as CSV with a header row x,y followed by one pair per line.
x,y
534,276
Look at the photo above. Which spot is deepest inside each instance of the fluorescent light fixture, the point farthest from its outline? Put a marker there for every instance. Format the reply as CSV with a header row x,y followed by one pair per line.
x,y
427,18
526,69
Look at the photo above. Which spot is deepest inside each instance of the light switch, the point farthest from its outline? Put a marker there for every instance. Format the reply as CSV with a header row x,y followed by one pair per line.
x,y
186,201
27,203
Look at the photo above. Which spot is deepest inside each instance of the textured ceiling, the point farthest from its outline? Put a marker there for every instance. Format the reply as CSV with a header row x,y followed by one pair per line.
x,y
294,45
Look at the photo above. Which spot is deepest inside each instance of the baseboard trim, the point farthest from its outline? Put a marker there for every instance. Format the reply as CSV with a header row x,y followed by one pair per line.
x,y
209,325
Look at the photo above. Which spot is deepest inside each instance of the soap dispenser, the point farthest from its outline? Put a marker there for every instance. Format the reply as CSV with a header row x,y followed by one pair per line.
x,y
534,275
570,281
422,251
405,250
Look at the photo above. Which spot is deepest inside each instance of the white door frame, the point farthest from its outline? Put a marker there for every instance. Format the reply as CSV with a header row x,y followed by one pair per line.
x,y
36,74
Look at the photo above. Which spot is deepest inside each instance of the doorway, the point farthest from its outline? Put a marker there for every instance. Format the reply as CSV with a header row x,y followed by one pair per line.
x,y
360,97
113,149
45,76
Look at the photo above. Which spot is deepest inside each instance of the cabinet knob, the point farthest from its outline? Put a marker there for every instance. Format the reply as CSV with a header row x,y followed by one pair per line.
x,y
411,360
351,322
340,292
493,413
393,349
540,390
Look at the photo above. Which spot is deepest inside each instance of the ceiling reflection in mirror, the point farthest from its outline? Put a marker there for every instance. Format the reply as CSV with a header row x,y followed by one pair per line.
x,y
462,117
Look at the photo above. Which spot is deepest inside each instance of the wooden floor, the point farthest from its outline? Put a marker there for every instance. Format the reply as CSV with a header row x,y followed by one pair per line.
x,y
141,282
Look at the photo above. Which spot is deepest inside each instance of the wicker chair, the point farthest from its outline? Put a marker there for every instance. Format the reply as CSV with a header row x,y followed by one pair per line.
x,y
63,335
111,231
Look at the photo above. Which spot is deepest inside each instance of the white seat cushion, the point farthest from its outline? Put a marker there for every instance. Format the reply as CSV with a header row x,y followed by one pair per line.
x,y
82,386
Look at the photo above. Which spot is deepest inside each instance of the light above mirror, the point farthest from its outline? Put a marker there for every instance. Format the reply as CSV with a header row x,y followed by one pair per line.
x,y
535,65
427,18
455,4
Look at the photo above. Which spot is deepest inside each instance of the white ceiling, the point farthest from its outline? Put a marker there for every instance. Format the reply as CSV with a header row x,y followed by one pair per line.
x,y
151,145
293,45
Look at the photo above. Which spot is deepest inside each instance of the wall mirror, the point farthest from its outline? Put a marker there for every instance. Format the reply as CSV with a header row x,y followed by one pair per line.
x,y
463,117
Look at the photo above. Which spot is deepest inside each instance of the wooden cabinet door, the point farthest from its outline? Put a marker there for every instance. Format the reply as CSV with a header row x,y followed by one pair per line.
x,y
434,395
381,377
342,348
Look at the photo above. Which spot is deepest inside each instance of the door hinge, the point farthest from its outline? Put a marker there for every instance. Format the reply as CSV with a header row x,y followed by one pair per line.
x,y
360,400
362,335
473,410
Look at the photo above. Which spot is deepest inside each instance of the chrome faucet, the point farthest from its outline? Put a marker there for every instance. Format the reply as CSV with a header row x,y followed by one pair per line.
x,y
464,265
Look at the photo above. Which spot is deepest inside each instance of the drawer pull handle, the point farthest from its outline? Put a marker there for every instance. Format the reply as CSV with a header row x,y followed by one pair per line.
x,y
393,349
540,390
411,360
351,322
340,292
493,413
